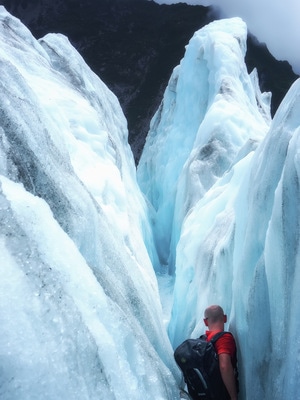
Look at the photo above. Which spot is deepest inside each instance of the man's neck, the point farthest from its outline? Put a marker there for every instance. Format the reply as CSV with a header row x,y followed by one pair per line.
x,y
216,327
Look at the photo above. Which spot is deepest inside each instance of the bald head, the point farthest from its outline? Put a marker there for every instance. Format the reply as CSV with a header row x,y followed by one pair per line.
x,y
214,315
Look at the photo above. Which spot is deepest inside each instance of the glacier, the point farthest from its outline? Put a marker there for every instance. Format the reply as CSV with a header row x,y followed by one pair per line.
x,y
105,268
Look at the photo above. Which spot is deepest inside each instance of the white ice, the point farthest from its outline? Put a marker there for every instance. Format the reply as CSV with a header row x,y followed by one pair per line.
x,y
80,312
212,114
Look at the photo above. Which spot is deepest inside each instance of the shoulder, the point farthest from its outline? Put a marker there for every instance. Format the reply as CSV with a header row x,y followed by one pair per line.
x,y
226,344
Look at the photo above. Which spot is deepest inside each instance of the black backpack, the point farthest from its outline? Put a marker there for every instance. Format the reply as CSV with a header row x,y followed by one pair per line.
x,y
199,363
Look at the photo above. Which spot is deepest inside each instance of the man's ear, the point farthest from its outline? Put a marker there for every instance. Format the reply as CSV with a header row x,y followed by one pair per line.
x,y
225,319
205,321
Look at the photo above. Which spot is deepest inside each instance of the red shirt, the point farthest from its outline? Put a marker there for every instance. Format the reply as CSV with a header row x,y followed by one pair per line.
x,y
225,344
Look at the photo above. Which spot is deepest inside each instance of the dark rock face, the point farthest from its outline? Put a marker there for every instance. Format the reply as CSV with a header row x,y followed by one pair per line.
x,y
274,76
133,45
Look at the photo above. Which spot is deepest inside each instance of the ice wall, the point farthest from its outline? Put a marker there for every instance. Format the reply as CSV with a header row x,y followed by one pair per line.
x,y
80,314
236,211
212,114
245,255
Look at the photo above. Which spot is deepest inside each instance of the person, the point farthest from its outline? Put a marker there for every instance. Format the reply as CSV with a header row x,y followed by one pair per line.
x,y
215,319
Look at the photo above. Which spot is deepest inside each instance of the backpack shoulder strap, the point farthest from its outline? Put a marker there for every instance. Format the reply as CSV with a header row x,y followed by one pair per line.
x,y
217,336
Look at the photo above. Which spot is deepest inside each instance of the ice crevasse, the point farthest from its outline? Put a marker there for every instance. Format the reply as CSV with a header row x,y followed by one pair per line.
x,y
80,313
